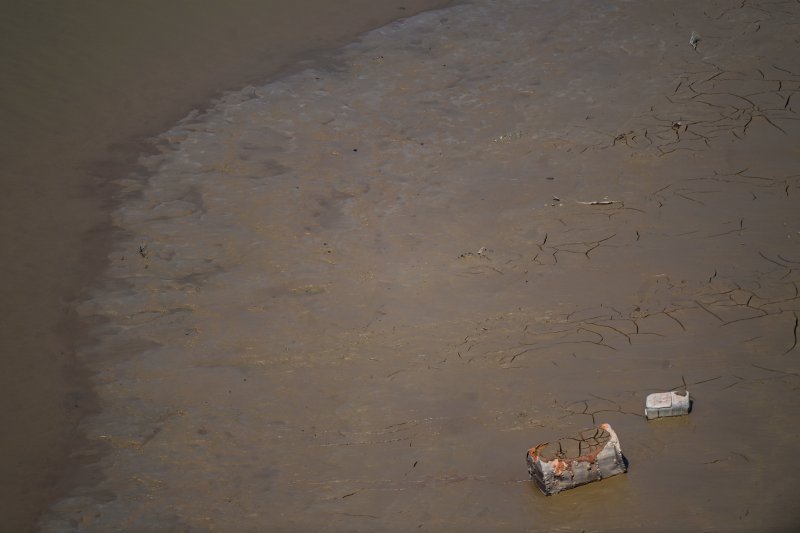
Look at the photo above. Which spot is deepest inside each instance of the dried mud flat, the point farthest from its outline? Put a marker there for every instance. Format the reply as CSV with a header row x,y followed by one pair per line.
x,y
353,298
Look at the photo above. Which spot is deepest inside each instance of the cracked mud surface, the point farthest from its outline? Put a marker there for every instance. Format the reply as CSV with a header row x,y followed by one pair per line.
x,y
585,443
353,298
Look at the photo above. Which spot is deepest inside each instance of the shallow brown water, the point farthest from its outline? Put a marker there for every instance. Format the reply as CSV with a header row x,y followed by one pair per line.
x,y
352,298
83,83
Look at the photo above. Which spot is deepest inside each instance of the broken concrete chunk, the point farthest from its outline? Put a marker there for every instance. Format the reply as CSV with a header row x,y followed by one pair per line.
x,y
663,404
591,455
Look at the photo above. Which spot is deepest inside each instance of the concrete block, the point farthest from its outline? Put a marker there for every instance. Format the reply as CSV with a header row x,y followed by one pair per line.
x,y
591,455
663,404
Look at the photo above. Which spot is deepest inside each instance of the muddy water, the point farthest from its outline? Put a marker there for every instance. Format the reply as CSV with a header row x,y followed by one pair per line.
x,y
82,85
352,298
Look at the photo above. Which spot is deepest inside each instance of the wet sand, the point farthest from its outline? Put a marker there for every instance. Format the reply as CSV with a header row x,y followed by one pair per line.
x,y
83,85
352,298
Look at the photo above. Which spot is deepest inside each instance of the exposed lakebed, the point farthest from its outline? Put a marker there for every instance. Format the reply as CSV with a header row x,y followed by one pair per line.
x,y
354,297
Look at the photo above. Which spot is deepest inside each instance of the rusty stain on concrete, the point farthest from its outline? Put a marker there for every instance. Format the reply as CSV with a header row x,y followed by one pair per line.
x,y
591,455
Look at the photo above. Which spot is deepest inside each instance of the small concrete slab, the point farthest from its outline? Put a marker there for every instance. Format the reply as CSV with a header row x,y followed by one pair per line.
x,y
664,404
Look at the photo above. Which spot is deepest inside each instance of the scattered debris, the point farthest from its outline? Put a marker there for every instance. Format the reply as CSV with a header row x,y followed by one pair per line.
x,y
663,404
599,202
623,138
591,455
509,137
483,253
694,39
